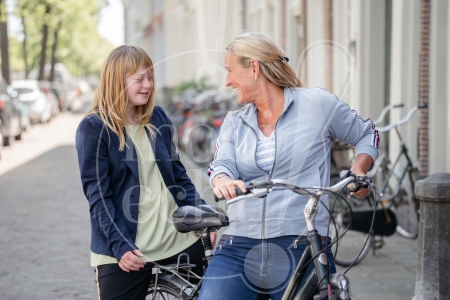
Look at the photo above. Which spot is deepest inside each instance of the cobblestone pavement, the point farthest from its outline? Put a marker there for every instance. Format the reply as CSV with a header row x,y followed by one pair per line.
x,y
45,232
44,217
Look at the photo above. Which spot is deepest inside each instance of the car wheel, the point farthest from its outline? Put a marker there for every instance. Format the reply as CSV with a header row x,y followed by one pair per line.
x,y
7,141
18,137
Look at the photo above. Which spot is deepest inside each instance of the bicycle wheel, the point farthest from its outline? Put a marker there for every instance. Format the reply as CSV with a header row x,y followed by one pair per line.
x,y
165,290
404,203
353,243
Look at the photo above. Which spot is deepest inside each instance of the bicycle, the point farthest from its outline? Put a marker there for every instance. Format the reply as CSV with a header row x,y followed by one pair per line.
x,y
319,284
340,152
398,191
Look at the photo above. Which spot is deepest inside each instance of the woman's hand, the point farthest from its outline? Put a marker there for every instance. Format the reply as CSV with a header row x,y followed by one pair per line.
x,y
362,193
362,164
130,261
224,186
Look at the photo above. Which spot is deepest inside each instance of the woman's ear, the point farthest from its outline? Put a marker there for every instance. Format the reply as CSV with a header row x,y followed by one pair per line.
x,y
255,68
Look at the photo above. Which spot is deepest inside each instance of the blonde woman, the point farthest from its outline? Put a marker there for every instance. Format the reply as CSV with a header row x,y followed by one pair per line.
x,y
284,132
133,179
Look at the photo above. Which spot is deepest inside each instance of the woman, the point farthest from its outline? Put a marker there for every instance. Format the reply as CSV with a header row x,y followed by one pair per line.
x,y
132,178
284,132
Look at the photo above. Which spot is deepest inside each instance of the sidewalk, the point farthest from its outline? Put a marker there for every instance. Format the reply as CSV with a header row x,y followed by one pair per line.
x,y
389,274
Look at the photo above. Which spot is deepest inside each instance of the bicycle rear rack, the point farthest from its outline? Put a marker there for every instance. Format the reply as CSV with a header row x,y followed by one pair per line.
x,y
174,270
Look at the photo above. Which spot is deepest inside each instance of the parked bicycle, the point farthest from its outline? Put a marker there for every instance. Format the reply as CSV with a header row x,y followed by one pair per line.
x,y
342,155
397,210
170,283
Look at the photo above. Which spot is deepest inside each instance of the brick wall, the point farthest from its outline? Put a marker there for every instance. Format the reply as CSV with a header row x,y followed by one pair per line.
x,y
304,38
328,37
424,62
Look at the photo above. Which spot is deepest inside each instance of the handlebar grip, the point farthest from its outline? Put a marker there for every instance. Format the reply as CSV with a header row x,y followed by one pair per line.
x,y
422,105
399,105
346,173
361,181
238,192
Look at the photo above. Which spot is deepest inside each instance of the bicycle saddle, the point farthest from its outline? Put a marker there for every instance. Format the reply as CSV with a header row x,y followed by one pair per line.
x,y
190,218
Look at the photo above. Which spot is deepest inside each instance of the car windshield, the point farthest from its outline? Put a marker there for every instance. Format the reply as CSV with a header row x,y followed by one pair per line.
x,y
23,90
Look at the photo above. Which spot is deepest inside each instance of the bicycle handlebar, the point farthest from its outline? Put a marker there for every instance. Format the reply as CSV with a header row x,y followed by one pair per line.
x,y
260,189
384,111
404,120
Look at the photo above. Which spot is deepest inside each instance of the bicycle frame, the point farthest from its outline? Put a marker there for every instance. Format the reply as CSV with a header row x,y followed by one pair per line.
x,y
319,284
408,168
314,251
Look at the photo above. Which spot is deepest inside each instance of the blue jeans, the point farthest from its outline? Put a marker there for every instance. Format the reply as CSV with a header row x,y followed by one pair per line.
x,y
244,268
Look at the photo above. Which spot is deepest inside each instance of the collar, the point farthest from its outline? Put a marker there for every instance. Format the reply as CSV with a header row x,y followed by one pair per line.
x,y
250,115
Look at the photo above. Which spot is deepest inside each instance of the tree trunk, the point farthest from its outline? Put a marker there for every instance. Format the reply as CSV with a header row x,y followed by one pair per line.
x,y
44,44
4,45
24,48
51,78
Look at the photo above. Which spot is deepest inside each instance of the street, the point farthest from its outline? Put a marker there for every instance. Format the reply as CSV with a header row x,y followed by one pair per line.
x,y
45,230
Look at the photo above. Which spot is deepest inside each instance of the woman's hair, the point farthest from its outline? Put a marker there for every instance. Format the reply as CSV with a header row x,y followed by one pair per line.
x,y
111,96
272,61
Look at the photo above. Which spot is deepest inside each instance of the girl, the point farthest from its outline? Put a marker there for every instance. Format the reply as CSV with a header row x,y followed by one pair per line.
x,y
133,179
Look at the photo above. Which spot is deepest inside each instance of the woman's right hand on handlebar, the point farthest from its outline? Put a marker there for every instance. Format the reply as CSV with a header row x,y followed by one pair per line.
x,y
224,186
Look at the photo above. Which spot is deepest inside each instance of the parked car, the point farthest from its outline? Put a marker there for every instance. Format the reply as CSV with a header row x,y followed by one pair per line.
x,y
24,113
39,104
46,88
60,90
10,115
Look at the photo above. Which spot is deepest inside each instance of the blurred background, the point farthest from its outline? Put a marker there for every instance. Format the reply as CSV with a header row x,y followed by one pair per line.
x,y
369,53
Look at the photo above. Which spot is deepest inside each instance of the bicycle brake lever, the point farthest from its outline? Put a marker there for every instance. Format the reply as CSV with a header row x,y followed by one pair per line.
x,y
260,184
375,189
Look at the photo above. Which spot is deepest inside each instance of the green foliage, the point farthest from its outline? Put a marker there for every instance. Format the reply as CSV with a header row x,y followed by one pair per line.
x,y
191,84
15,54
79,46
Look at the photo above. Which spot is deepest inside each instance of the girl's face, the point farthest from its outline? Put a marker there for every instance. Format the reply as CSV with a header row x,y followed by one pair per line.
x,y
241,79
139,87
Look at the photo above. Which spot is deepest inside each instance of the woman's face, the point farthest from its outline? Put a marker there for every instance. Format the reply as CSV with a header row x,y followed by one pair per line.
x,y
139,87
241,79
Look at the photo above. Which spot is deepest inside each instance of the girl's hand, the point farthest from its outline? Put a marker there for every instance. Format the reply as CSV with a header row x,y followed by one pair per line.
x,y
130,261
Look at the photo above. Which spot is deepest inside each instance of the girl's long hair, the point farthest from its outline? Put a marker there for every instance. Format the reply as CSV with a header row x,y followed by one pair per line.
x,y
273,64
111,96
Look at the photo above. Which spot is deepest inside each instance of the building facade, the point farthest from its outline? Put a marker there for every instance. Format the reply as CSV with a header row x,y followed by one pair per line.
x,y
369,53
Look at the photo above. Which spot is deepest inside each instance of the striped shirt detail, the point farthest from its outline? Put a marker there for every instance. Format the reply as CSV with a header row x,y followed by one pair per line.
x,y
265,151
375,136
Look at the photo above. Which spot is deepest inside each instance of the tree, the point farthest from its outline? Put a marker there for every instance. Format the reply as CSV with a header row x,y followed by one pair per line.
x,y
53,59
43,57
71,27
24,47
4,45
